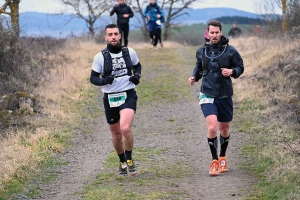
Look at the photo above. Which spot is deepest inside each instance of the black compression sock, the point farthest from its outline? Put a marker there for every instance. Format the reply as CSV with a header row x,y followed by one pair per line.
x,y
128,155
213,145
224,143
122,157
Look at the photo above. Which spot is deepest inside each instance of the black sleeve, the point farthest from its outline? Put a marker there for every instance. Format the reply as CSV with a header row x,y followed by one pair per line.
x,y
95,78
112,11
131,14
137,69
237,64
240,30
230,33
197,72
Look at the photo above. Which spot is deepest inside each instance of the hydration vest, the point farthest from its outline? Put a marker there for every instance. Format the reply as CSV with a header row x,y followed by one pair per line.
x,y
222,59
108,66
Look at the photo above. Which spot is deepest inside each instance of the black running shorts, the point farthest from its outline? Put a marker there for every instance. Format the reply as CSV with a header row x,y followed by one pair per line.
x,y
222,108
113,114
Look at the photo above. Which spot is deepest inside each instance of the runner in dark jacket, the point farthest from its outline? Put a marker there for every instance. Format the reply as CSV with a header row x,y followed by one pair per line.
x,y
210,59
235,31
217,62
123,12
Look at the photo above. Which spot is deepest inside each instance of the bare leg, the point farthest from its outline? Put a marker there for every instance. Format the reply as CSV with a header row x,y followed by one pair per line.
x,y
126,118
211,122
224,129
117,137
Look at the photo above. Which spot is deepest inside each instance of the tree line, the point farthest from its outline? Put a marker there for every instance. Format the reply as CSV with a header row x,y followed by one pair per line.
x,y
241,20
91,10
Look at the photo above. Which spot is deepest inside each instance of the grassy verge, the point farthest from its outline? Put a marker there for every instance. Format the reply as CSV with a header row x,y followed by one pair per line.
x,y
266,109
28,152
44,148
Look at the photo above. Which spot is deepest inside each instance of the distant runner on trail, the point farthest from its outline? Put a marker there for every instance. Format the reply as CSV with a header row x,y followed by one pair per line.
x,y
235,31
120,71
155,18
123,12
217,62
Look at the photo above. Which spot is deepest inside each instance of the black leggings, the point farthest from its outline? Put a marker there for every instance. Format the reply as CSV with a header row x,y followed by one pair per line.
x,y
124,30
157,36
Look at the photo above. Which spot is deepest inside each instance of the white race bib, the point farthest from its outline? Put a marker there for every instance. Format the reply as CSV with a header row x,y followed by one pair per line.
x,y
205,99
117,99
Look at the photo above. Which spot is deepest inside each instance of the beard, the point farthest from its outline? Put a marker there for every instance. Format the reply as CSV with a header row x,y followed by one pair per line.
x,y
114,43
114,47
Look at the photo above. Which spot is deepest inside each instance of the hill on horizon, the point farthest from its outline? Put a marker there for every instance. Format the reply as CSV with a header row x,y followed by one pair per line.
x,y
37,24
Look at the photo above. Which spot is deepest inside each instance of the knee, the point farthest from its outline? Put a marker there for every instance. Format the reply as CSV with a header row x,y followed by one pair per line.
x,y
126,130
212,130
224,131
117,136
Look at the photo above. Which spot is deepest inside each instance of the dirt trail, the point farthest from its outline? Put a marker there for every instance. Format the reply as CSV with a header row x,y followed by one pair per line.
x,y
185,138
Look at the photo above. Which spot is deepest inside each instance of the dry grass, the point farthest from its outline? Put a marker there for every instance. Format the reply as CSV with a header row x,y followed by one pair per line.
x,y
270,89
64,84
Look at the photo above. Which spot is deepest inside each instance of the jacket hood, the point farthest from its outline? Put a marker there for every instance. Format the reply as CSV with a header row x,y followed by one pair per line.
x,y
224,40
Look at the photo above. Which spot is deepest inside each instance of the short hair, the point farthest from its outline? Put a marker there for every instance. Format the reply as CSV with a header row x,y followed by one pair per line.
x,y
111,26
214,23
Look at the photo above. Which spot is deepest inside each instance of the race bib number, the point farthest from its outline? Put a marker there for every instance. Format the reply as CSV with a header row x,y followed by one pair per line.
x,y
205,99
117,99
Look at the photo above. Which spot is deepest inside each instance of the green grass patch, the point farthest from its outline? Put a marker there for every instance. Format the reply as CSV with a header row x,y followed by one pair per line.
x,y
19,183
166,79
150,183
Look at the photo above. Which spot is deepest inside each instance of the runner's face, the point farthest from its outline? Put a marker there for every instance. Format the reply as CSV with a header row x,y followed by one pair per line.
x,y
112,36
121,1
152,1
214,34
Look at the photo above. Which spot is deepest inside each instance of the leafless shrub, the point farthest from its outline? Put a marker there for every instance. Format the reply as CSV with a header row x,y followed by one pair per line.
x,y
24,64
268,7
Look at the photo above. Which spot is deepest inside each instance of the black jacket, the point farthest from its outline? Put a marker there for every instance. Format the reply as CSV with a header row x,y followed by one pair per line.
x,y
210,59
120,10
235,32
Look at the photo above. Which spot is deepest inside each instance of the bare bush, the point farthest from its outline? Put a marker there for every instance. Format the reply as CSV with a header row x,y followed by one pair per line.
x,y
275,21
23,66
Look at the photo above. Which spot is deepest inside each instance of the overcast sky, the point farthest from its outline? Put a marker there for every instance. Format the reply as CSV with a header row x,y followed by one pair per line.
x,y
53,6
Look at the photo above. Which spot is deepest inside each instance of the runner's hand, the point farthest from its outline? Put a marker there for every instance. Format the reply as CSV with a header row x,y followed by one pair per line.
x,y
107,80
191,81
135,80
